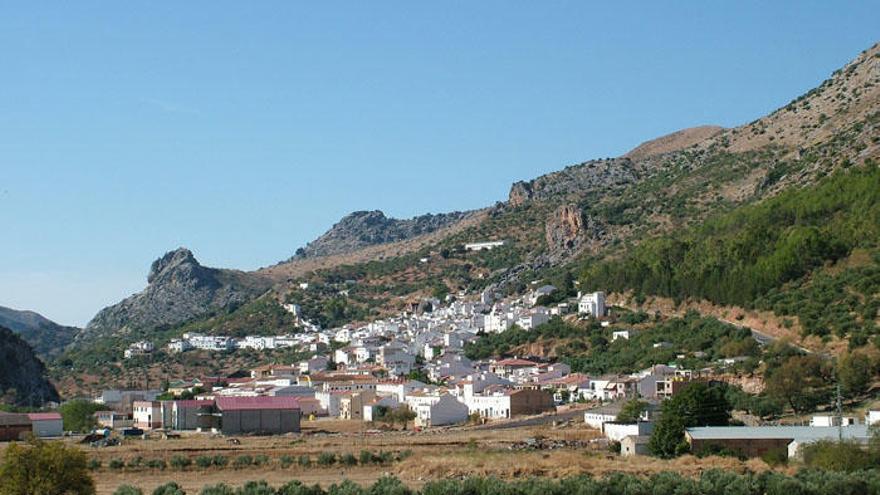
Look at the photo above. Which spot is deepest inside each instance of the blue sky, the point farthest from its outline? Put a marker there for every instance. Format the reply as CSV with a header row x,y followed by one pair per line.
x,y
244,129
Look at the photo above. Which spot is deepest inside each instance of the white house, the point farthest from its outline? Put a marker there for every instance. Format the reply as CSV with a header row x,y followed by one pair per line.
x,y
496,322
439,411
597,417
833,420
623,334
147,414
179,345
592,304
872,418
616,432
483,246
313,365
138,349
533,318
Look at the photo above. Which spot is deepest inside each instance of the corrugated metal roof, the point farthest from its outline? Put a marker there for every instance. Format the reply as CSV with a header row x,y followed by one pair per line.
x,y
255,403
775,432
10,419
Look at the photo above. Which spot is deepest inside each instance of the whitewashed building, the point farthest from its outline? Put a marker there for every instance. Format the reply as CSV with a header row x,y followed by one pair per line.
x,y
592,304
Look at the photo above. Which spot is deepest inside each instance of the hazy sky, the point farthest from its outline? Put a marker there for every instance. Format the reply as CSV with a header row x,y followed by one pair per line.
x,y
244,129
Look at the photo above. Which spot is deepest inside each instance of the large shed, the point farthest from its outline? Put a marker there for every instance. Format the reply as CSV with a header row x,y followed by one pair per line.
x,y
755,441
185,414
258,415
47,424
14,426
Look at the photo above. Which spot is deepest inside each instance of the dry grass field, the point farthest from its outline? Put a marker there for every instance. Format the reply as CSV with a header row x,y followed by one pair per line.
x,y
434,454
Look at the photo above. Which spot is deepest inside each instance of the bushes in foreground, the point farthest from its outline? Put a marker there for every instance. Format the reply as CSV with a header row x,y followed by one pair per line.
x,y
711,482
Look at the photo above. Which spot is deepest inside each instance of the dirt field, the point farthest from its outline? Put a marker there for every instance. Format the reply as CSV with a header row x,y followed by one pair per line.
x,y
434,455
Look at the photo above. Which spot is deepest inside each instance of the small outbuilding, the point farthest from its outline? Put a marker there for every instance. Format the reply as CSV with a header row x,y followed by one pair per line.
x,y
46,424
258,415
14,426
635,445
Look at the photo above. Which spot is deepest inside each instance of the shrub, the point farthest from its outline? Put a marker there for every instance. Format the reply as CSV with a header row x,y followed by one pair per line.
x,y
403,455
136,462
261,460
180,462
256,488
776,457
389,485
220,460
365,457
116,464
204,461
218,489
94,464
79,415
44,467
614,447
348,459
286,461
383,457
347,487
836,456
170,488
296,487
128,490
243,461
304,461
156,464
326,459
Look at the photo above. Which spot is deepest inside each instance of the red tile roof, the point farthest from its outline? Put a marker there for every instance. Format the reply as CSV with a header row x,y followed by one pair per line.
x,y
45,416
193,403
256,403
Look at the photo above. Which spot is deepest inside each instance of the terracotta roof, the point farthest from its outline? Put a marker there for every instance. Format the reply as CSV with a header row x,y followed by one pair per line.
x,y
256,403
193,403
44,416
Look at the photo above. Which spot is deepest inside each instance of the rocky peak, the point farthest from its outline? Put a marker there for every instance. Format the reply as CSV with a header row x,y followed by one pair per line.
x,y
520,192
178,289
576,180
368,228
177,260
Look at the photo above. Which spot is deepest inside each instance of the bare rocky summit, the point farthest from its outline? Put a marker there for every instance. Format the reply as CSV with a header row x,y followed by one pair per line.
x,y
179,289
369,228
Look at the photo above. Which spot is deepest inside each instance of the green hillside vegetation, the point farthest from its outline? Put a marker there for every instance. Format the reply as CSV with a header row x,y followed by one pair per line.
x,y
739,257
589,348
846,302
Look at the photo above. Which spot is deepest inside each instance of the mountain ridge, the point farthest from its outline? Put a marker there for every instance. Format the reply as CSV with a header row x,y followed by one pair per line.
x,y
178,289
44,335
576,215
22,374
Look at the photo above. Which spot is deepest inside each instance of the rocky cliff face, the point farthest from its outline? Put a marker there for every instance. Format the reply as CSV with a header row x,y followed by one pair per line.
x,y
564,231
369,228
576,180
22,375
45,336
179,289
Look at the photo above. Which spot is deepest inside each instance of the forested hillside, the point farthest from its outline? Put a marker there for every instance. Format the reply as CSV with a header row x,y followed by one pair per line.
x,y
738,258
